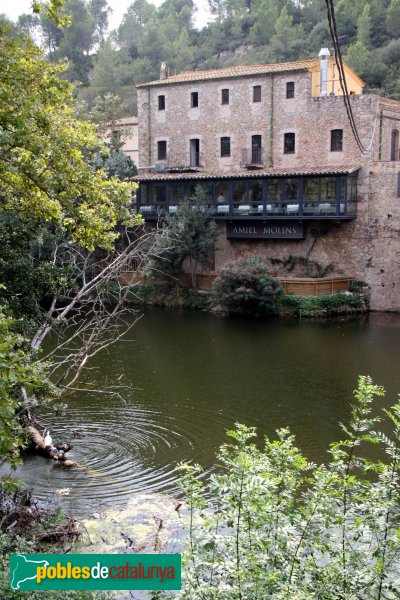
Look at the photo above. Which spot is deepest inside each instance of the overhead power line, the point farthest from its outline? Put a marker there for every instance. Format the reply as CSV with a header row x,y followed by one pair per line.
x,y
342,75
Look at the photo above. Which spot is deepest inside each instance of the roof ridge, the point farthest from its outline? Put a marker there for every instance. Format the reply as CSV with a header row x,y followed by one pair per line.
x,y
233,70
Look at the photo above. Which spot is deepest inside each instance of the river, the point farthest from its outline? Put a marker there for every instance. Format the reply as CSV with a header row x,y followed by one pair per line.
x,y
185,377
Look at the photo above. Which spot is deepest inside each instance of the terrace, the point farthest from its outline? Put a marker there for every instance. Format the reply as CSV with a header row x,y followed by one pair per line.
x,y
231,197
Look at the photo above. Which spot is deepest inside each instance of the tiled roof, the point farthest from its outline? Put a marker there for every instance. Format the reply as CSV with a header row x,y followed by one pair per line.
x,y
245,174
127,121
239,71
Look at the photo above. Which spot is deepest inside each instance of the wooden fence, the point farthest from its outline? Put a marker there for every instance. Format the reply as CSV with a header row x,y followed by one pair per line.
x,y
302,286
299,286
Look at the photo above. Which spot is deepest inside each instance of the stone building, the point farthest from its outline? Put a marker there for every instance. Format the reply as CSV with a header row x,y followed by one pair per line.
x,y
273,150
127,129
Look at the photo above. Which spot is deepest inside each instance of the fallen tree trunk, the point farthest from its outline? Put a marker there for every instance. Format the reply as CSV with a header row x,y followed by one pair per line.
x,y
54,452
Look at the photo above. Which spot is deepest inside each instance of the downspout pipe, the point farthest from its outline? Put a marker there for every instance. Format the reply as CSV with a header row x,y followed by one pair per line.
x,y
149,127
271,125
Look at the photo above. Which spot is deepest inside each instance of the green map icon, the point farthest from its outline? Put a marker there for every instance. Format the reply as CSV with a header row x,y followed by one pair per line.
x,y
23,569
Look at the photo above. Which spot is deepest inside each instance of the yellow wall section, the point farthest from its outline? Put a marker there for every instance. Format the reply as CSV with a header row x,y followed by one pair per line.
x,y
354,83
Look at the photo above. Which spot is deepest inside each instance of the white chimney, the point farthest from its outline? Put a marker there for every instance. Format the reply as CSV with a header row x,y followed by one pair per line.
x,y
324,54
163,70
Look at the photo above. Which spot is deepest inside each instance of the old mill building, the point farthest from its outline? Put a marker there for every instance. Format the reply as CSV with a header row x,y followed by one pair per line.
x,y
273,150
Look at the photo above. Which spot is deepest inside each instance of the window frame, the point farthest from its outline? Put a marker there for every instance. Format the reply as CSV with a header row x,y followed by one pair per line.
x,y
394,145
257,94
336,140
287,146
225,96
162,155
194,99
290,90
161,101
225,146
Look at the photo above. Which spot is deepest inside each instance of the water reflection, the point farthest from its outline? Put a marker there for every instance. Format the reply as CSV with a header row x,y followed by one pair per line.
x,y
191,377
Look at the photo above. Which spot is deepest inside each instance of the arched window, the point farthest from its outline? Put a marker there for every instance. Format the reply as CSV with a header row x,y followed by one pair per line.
x,y
394,149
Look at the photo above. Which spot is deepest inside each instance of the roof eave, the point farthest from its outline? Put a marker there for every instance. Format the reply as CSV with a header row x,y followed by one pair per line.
x,y
160,82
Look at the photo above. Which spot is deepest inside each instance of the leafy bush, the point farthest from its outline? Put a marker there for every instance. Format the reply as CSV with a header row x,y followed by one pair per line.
x,y
245,286
357,287
273,525
307,306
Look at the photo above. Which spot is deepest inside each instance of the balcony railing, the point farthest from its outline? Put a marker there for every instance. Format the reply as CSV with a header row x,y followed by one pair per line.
x,y
183,161
275,210
252,157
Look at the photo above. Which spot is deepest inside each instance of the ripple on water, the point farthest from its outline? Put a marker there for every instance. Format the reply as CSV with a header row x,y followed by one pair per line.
x,y
191,377
120,449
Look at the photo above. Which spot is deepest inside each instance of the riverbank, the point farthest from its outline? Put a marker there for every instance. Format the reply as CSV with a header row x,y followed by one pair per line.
x,y
148,524
172,295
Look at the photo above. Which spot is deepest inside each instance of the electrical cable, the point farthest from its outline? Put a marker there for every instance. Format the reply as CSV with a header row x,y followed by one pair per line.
x,y
342,77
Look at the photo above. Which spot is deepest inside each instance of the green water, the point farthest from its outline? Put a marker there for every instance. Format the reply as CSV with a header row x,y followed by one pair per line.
x,y
190,376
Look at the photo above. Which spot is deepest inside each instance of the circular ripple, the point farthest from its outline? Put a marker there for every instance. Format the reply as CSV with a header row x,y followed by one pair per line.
x,y
120,448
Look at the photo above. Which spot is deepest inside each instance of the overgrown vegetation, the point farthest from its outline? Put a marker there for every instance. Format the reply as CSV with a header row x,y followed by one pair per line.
x,y
189,235
271,524
171,294
244,286
60,216
302,266
18,370
26,528
330,304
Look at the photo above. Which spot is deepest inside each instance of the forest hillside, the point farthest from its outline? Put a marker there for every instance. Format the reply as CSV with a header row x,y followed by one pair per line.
x,y
103,62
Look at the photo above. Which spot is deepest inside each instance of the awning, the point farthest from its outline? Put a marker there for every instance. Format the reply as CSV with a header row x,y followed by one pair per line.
x,y
246,174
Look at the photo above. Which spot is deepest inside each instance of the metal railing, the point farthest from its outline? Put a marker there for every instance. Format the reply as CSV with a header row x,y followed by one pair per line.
x,y
269,209
184,161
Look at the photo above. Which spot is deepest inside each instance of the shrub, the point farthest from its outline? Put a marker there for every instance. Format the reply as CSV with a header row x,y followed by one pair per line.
x,y
308,306
357,287
245,286
273,525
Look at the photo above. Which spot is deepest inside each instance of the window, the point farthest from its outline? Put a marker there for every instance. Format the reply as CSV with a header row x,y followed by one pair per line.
x,y
194,146
225,96
194,99
257,93
162,150
256,149
289,143
336,140
161,102
290,89
394,149
225,146
290,189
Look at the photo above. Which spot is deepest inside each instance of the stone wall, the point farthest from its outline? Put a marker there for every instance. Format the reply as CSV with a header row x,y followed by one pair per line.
x,y
367,248
311,119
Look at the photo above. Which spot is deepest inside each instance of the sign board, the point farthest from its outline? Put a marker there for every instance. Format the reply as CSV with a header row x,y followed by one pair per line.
x,y
266,230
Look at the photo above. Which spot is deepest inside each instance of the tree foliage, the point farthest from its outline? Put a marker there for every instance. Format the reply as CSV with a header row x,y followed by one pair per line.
x,y
188,235
273,525
17,370
57,210
44,167
243,32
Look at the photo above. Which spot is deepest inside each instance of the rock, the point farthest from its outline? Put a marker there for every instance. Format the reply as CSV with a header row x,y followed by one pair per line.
x,y
147,524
